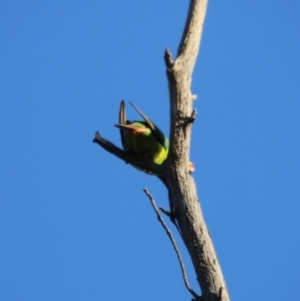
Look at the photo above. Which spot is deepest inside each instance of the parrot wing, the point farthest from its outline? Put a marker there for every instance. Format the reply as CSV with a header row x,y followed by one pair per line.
x,y
122,120
162,139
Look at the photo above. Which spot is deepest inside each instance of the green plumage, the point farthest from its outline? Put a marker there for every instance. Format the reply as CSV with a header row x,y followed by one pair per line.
x,y
142,138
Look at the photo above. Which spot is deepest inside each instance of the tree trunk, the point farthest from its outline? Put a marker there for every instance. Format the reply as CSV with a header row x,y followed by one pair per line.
x,y
185,208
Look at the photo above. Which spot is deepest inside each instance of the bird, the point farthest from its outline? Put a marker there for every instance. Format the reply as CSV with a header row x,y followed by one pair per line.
x,y
142,139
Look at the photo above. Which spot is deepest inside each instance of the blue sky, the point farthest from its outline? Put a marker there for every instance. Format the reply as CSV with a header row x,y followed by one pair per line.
x,y
74,222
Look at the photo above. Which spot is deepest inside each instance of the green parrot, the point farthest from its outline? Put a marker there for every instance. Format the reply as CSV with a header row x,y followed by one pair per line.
x,y
142,138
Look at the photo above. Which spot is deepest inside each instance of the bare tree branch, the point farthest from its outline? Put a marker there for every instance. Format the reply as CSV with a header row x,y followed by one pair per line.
x,y
192,34
169,233
180,184
146,166
185,207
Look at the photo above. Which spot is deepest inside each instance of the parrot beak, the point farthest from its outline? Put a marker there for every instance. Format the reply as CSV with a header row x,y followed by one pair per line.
x,y
134,129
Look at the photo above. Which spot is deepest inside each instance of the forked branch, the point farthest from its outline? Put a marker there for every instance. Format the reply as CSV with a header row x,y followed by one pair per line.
x,y
172,239
185,205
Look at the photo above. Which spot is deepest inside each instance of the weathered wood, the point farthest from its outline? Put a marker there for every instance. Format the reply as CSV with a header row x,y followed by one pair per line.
x,y
185,208
180,183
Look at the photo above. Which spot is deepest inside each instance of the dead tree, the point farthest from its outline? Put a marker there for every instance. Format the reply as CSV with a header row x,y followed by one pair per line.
x,y
185,210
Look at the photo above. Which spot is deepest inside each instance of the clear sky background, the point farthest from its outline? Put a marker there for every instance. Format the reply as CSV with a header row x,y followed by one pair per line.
x,y
74,222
